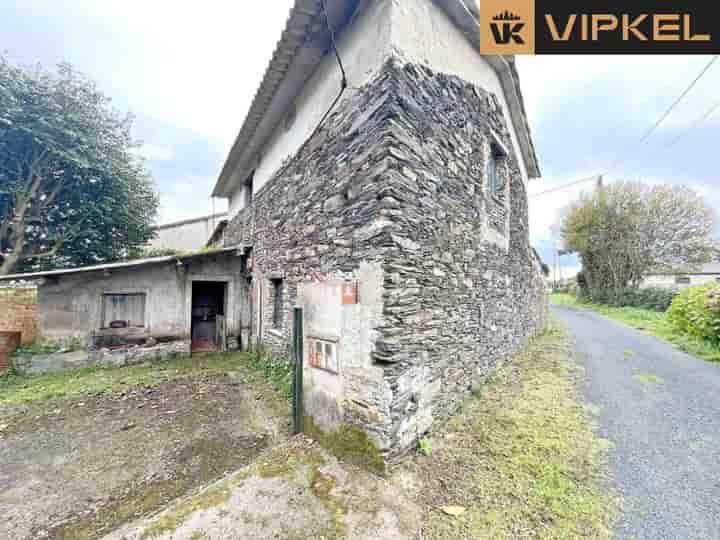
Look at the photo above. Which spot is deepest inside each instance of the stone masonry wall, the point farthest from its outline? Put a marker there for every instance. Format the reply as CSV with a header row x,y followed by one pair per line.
x,y
18,311
396,177
463,290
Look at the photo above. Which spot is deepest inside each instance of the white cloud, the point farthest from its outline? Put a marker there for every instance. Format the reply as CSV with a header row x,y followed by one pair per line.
x,y
156,152
188,198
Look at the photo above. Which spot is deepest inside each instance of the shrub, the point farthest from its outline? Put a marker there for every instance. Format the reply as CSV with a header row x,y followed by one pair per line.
x,y
694,312
654,299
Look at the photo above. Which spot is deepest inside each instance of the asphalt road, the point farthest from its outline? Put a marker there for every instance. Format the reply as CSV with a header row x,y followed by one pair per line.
x,y
661,409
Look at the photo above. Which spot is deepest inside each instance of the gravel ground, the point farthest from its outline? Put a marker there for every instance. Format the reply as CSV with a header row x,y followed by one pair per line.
x,y
661,409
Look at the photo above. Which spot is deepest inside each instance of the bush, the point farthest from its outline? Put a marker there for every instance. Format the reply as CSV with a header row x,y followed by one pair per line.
x,y
654,299
695,312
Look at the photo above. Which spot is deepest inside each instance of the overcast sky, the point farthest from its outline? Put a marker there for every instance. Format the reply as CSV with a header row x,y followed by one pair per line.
x,y
189,70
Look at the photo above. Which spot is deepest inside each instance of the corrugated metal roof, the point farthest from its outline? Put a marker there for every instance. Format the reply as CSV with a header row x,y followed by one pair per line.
x,y
118,265
302,45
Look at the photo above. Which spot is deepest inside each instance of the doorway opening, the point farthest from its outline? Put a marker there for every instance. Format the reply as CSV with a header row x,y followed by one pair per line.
x,y
208,316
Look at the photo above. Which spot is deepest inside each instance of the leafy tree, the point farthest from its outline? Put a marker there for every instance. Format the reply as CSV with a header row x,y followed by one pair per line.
x,y
626,230
72,191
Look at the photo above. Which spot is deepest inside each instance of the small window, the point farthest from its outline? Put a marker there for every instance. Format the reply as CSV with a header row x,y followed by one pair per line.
x,y
495,181
682,280
249,189
277,302
123,310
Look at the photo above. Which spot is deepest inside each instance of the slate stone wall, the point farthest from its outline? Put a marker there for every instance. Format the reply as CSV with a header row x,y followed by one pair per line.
x,y
464,290
397,176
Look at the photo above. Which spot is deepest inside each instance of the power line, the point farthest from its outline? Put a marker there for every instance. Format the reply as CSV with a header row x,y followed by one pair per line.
x,y
565,186
692,126
648,133
664,116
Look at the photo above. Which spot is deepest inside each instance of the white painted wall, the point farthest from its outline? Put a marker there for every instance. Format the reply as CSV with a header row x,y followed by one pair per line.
x,y
364,45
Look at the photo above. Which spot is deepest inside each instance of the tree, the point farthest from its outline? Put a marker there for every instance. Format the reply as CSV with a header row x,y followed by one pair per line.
x,y
72,191
626,230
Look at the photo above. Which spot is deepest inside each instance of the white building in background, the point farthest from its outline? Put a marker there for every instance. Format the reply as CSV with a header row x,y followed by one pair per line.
x,y
186,235
708,273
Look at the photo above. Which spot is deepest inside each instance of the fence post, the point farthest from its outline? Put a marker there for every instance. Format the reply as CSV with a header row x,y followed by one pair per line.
x,y
298,378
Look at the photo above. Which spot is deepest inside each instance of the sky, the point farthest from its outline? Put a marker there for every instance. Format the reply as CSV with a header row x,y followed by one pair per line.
x,y
188,72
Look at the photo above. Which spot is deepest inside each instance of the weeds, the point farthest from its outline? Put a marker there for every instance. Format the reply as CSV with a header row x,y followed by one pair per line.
x,y
278,371
522,460
95,380
425,447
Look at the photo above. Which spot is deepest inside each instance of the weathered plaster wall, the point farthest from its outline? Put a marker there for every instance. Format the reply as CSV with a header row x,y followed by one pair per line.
x,y
422,33
71,306
187,235
18,311
363,46
394,183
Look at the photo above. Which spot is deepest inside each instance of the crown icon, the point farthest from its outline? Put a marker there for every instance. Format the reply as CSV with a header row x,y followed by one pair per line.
x,y
507,16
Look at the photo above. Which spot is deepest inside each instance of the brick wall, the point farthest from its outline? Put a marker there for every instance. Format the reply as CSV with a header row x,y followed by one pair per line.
x,y
18,311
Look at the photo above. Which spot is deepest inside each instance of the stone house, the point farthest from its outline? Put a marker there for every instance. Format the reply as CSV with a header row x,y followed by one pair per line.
x,y
379,182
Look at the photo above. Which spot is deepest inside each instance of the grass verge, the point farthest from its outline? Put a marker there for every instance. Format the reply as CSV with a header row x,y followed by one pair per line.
x,y
521,459
651,322
96,380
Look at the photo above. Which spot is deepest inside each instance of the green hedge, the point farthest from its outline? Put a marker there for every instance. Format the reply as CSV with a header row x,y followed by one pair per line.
x,y
696,311
654,299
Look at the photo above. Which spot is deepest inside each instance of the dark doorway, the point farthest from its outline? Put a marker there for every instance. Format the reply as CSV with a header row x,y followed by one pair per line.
x,y
208,316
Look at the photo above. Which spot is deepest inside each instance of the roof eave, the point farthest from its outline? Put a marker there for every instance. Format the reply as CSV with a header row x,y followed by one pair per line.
x,y
295,40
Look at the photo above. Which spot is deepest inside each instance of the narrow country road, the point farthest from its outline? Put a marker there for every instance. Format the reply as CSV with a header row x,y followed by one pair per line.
x,y
661,409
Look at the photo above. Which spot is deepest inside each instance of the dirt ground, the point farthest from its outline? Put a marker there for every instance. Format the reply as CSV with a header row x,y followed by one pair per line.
x,y
295,491
79,468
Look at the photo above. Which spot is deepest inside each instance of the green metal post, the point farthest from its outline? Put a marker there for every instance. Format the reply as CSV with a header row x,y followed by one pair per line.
x,y
298,379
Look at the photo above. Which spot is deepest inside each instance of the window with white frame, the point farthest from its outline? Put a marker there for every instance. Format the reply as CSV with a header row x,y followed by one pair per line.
x,y
123,310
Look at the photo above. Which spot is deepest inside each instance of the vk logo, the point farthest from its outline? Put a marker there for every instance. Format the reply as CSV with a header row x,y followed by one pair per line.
x,y
506,27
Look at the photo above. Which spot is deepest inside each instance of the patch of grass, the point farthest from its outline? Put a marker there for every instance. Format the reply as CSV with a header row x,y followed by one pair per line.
x,y
425,446
522,459
651,322
278,371
629,354
349,443
94,380
170,521
649,378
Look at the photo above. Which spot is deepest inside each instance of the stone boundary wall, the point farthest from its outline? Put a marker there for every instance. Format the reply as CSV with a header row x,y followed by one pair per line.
x,y
66,361
18,311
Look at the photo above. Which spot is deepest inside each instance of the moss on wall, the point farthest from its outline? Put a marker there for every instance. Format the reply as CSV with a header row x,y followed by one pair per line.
x,y
348,443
